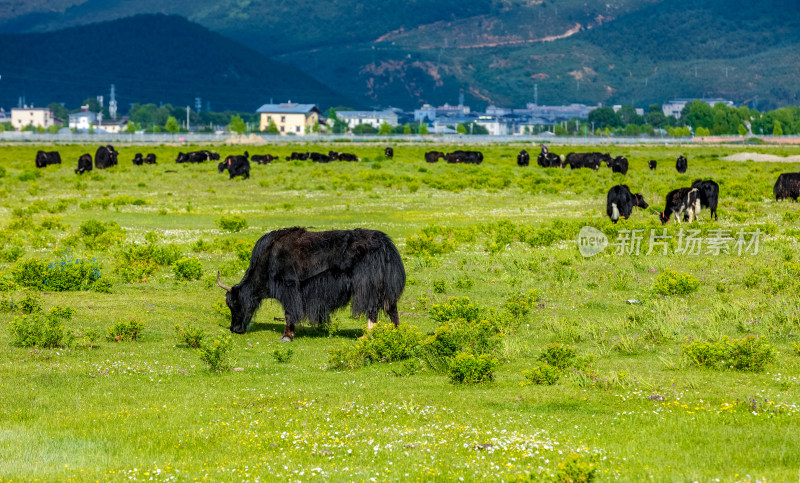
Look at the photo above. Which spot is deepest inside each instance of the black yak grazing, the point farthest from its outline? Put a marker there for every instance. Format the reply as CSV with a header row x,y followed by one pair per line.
x,y
787,186
652,164
433,156
549,160
84,163
523,158
680,201
105,157
314,273
681,164
47,158
620,202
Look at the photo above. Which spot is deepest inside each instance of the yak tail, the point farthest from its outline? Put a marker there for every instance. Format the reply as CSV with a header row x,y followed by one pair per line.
x,y
614,212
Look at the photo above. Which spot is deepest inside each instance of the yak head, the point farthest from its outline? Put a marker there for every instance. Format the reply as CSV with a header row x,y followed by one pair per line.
x,y
238,322
640,202
664,218
221,167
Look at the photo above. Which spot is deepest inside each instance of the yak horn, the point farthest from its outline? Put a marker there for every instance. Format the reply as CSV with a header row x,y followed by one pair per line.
x,y
219,282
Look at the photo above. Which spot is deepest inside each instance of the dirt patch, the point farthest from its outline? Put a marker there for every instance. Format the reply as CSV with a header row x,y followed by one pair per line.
x,y
762,158
242,139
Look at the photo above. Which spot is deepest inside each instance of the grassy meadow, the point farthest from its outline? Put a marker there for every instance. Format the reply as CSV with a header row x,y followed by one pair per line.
x,y
696,379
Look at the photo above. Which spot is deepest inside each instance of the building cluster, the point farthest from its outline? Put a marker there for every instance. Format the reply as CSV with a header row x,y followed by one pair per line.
x,y
300,119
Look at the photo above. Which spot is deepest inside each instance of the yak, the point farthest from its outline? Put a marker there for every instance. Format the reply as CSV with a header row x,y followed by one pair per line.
x,y
679,202
197,157
105,157
314,273
619,165
84,163
262,158
467,157
708,195
388,153
681,164
787,186
138,159
433,156
523,158
44,158
549,160
150,159
620,202
652,164
236,166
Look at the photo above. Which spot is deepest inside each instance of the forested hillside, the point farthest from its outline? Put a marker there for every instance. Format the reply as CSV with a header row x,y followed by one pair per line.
x,y
150,58
405,53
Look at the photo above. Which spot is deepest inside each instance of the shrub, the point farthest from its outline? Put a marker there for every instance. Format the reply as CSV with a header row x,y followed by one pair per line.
x,y
243,250
558,355
65,275
542,374
62,312
216,353
670,282
457,308
796,347
750,354
86,338
468,368
282,354
102,285
11,254
439,286
576,468
188,269
125,331
98,235
234,223
30,304
191,336
39,330
384,343
520,304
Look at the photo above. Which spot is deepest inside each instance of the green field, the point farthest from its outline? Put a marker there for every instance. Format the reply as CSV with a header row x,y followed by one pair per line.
x,y
644,399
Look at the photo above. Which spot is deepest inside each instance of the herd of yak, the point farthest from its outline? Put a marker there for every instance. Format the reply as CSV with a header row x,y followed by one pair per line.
x,y
683,203
312,274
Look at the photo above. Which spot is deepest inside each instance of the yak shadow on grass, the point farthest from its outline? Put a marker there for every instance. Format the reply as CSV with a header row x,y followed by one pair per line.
x,y
305,330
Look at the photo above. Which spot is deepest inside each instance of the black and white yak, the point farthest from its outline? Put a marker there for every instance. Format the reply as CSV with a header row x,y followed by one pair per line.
x,y
620,202
314,273
708,194
523,158
679,202
84,163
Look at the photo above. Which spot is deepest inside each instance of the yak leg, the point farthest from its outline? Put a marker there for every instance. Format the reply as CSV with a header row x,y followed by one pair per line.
x,y
392,313
370,324
288,332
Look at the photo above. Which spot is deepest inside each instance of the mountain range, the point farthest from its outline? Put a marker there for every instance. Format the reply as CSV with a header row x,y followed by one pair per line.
x,y
405,53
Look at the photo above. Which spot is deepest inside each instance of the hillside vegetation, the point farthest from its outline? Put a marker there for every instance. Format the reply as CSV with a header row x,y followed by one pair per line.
x,y
405,53
154,58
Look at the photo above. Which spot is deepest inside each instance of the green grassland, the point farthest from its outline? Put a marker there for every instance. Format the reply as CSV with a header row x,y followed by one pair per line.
x,y
639,408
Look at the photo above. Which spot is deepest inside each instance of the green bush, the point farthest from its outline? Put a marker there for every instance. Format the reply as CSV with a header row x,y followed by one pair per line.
x,y
98,235
65,275
39,330
62,312
216,353
102,285
439,286
282,354
30,304
796,347
559,355
234,223
188,269
11,254
125,331
457,308
468,368
191,336
520,304
542,374
750,354
577,468
384,343
671,282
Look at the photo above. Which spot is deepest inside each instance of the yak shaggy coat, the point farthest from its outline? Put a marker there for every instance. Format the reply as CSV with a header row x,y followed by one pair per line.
x,y
314,273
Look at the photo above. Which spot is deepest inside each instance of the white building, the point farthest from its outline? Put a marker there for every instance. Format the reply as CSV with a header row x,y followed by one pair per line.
x,y
674,107
31,116
83,120
113,126
495,125
373,118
